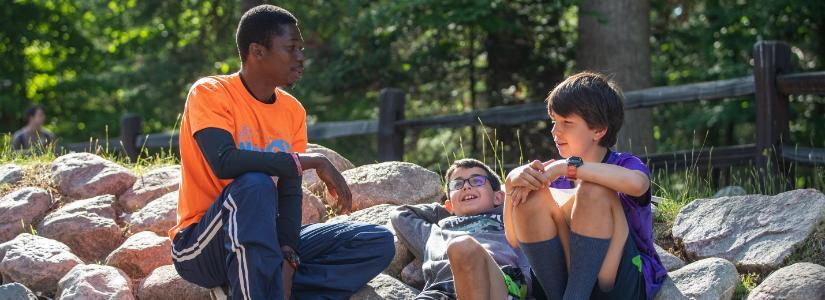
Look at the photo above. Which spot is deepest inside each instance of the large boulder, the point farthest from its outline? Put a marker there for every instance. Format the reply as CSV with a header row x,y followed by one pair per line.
x,y
141,253
310,178
380,215
312,208
670,261
149,187
707,279
16,291
20,208
10,173
95,282
797,281
413,274
36,262
158,216
165,283
384,287
756,232
390,183
85,175
87,226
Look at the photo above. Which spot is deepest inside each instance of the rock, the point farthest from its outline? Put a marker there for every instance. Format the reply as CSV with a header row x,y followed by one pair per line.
x,y
85,175
158,216
390,183
670,261
149,187
756,232
87,226
310,178
710,278
10,174
380,215
384,287
36,262
413,274
165,283
141,253
20,208
730,190
16,291
312,208
95,282
797,281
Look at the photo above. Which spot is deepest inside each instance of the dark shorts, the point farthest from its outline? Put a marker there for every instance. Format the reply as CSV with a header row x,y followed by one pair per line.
x,y
630,282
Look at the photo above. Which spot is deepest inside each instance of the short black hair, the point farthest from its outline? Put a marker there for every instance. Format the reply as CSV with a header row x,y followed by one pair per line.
x,y
467,163
258,24
32,110
594,97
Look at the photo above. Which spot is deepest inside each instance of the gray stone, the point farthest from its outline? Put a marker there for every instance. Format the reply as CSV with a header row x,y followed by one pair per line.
x,y
380,215
310,178
390,183
707,279
384,287
312,208
85,175
95,282
413,274
158,216
165,283
10,174
141,253
87,226
797,281
670,261
730,190
36,262
20,208
756,232
149,187
16,291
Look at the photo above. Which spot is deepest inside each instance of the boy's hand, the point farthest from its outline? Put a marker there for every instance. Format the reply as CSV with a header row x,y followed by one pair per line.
x,y
527,176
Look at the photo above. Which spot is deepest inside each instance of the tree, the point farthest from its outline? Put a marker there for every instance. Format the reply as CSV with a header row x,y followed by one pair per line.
x,y
614,39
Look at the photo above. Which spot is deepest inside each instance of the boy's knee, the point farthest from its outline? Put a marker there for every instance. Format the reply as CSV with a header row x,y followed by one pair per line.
x,y
254,178
463,249
594,195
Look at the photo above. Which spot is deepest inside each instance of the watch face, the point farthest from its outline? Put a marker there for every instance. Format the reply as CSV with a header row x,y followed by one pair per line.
x,y
575,161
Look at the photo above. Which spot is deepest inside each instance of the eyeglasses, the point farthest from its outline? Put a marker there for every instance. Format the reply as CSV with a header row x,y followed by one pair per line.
x,y
475,181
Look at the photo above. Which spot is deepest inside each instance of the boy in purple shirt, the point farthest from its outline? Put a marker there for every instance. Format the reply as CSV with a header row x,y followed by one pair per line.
x,y
599,243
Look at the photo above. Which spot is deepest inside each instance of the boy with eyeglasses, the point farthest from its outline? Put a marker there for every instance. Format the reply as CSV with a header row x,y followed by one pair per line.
x,y
462,243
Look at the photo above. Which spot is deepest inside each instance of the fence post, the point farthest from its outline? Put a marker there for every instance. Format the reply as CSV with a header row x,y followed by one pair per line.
x,y
390,137
130,129
770,59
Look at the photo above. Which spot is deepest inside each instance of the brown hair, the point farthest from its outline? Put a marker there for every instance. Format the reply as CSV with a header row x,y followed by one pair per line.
x,y
594,97
467,163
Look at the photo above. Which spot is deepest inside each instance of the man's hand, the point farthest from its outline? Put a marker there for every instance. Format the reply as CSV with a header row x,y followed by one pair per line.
x,y
336,184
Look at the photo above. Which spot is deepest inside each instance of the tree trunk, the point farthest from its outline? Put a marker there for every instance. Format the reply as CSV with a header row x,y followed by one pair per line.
x,y
614,38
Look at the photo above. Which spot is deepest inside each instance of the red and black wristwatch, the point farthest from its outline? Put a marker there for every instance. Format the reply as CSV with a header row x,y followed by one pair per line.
x,y
292,258
573,164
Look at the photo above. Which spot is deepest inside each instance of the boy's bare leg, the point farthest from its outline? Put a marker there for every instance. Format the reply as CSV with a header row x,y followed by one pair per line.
x,y
539,219
597,212
476,274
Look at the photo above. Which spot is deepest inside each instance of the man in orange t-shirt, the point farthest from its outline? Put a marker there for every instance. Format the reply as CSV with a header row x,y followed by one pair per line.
x,y
242,143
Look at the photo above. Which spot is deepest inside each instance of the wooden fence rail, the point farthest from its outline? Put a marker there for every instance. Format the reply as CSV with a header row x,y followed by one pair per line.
x,y
770,85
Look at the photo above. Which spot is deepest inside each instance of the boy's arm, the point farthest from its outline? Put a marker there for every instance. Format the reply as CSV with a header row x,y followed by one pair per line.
x,y
413,224
620,179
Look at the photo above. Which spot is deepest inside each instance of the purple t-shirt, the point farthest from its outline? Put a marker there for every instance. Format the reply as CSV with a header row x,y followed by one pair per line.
x,y
639,220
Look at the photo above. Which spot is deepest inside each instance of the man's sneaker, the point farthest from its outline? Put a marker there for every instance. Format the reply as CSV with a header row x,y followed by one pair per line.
x,y
220,293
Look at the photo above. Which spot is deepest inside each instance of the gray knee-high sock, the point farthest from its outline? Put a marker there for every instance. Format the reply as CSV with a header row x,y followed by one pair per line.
x,y
547,262
586,258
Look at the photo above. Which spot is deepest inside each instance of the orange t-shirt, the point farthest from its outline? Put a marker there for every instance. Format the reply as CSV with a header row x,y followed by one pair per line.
x,y
223,102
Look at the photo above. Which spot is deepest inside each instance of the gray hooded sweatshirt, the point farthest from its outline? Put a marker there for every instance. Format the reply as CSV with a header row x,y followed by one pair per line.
x,y
427,229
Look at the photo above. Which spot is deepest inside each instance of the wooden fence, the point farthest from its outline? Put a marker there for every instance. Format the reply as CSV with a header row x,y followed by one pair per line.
x,y
771,84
